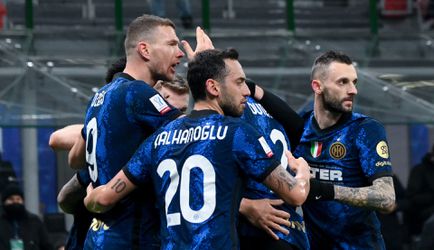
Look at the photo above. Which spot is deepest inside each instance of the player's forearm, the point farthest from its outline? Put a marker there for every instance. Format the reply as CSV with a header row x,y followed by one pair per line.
x,y
293,190
104,197
71,194
380,196
97,200
64,139
77,156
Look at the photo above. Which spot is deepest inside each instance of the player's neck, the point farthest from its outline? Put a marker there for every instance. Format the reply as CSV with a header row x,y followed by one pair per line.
x,y
203,105
324,117
139,73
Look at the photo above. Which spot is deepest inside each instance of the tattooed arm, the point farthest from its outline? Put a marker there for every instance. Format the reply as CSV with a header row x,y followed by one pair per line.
x,y
293,190
380,196
71,194
104,197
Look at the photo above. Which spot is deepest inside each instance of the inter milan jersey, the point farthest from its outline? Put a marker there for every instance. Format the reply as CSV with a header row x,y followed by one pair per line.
x,y
120,116
352,153
197,165
276,137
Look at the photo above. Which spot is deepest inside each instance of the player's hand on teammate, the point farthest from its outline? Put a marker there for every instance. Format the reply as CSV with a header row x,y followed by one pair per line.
x,y
262,214
299,166
203,42
91,201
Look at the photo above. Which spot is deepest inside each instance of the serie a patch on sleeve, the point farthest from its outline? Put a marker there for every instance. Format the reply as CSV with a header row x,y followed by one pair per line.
x,y
265,147
160,104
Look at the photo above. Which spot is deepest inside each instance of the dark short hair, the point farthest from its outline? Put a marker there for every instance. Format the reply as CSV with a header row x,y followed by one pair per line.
x,y
116,67
322,62
142,28
208,64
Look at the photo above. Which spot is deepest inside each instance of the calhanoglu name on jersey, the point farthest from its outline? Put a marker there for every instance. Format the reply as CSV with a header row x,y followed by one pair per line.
x,y
199,133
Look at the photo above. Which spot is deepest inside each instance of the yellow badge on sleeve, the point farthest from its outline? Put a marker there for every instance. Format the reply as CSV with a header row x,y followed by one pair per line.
x,y
383,149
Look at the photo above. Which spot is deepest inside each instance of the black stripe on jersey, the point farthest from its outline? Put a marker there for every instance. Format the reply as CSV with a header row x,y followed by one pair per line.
x,y
130,176
379,175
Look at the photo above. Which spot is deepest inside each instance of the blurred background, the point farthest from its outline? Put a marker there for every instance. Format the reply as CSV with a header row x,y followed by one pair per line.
x,y
54,55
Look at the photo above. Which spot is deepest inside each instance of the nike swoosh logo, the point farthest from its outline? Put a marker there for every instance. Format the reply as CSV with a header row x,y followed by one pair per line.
x,y
318,197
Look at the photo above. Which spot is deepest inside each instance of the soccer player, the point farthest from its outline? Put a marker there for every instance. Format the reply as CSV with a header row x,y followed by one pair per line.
x,y
120,116
349,160
263,212
197,163
176,93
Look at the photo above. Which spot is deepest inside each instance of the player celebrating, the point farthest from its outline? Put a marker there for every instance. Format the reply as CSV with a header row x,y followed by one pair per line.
x,y
349,159
197,163
119,117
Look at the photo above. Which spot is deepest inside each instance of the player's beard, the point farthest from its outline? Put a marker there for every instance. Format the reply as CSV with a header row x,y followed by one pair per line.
x,y
158,75
333,104
230,108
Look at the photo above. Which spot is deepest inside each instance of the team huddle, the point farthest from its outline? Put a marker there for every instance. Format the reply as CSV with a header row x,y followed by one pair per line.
x,y
222,176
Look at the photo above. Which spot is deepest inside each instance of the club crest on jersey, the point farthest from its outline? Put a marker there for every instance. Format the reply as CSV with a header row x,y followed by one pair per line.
x,y
383,149
337,150
315,149
160,104
265,147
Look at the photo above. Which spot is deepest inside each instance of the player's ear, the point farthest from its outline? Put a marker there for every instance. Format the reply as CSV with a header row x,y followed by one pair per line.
x,y
316,86
143,50
212,87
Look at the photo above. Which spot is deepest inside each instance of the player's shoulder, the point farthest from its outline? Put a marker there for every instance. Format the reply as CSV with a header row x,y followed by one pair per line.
x,y
235,121
365,121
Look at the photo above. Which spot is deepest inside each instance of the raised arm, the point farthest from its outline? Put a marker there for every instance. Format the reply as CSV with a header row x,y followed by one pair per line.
x,y
203,42
77,154
64,138
293,190
104,197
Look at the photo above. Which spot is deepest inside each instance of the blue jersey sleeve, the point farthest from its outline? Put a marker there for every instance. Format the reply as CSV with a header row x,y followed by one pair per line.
x,y
373,150
138,167
146,106
253,153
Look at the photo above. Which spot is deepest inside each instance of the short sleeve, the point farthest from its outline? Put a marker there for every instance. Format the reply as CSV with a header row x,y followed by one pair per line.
x,y
253,153
138,168
146,106
373,150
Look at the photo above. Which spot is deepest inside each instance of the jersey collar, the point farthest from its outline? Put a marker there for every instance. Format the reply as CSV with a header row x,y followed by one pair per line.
x,y
123,75
202,113
344,118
